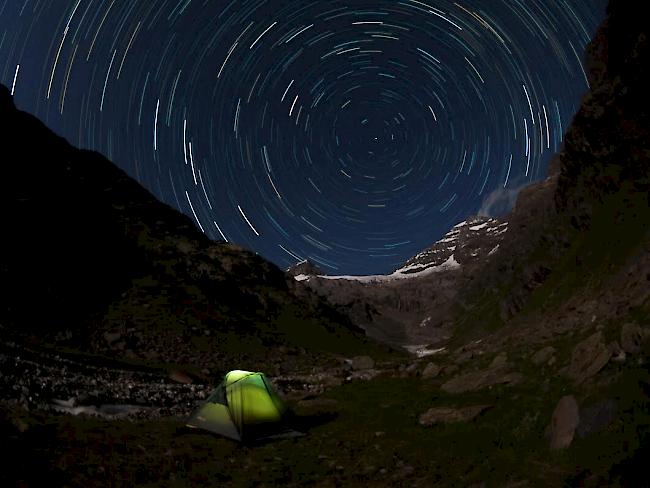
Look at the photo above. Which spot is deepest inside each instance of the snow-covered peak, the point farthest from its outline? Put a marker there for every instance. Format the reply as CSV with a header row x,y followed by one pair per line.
x,y
470,240
303,268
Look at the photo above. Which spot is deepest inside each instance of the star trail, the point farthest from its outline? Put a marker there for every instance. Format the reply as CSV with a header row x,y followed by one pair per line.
x,y
350,133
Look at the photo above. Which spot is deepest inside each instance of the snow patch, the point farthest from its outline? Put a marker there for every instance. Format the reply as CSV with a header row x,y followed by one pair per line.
x,y
301,277
422,350
447,239
401,273
479,227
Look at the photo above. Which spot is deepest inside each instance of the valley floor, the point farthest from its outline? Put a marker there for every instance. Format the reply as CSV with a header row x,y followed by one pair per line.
x,y
364,424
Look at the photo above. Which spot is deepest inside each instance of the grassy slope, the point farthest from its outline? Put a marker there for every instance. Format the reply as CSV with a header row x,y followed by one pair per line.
x,y
618,234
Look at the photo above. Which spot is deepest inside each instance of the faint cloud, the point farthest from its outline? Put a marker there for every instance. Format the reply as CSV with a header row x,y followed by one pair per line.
x,y
500,201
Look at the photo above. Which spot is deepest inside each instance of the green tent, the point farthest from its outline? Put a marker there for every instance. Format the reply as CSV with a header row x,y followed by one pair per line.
x,y
244,406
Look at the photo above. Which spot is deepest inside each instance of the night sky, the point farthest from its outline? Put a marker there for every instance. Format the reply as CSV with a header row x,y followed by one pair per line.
x,y
352,133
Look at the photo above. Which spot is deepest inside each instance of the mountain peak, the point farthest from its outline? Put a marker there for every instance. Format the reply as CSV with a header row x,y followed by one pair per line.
x,y
467,242
305,268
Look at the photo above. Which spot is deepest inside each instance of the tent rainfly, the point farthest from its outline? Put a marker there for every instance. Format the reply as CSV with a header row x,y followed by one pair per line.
x,y
244,406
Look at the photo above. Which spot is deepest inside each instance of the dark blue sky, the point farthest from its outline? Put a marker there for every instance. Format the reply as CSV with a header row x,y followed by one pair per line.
x,y
354,134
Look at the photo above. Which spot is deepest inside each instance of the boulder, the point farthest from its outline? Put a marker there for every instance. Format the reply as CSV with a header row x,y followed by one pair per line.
x,y
631,338
477,380
111,337
565,419
588,358
431,371
447,415
543,356
362,362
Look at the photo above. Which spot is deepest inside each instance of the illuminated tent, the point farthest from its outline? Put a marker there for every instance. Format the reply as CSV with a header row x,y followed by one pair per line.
x,y
244,406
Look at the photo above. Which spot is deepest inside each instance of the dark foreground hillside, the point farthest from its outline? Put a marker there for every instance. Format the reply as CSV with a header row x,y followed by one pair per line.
x,y
95,263
545,381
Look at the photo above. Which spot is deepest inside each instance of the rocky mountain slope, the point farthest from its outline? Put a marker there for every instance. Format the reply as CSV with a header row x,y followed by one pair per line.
x,y
412,305
578,241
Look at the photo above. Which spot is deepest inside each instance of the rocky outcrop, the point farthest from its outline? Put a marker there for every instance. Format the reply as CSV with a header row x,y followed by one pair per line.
x,y
631,338
606,147
593,207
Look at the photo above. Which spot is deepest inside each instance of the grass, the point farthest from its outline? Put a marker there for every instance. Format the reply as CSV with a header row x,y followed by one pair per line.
x,y
370,436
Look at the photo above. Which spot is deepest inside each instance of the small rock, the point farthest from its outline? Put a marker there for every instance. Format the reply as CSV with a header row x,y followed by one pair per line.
x,y
180,377
412,370
617,354
111,337
544,355
645,333
362,362
448,415
464,357
631,338
499,361
406,471
451,369
564,421
20,425
431,371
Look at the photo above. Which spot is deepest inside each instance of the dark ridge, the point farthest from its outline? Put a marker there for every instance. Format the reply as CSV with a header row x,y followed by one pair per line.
x,y
590,217
95,261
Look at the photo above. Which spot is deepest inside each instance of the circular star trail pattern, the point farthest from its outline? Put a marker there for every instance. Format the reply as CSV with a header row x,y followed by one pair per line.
x,y
353,134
